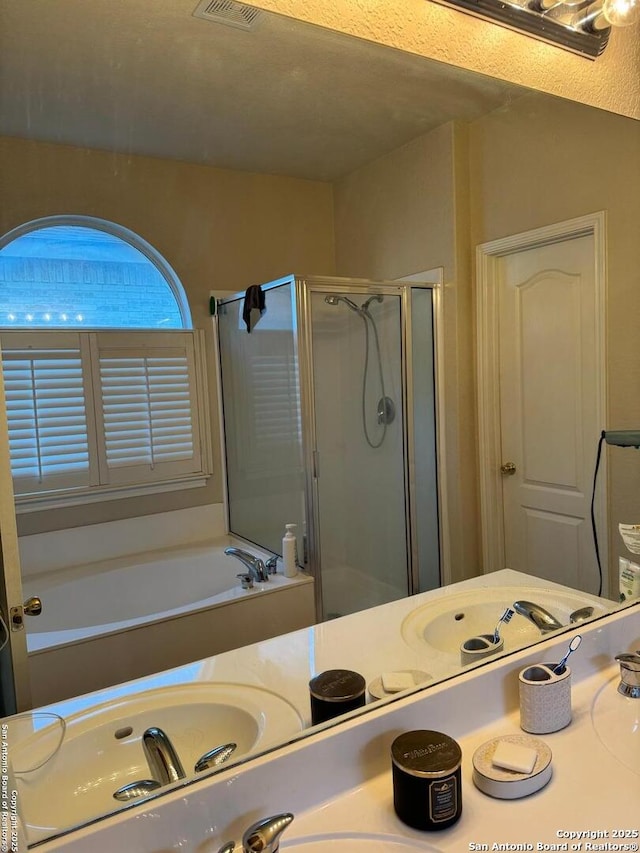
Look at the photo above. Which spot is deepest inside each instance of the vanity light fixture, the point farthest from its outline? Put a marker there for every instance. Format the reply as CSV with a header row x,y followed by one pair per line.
x,y
581,26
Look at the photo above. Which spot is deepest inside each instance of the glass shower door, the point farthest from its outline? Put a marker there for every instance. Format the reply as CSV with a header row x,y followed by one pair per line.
x,y
360,467
262,420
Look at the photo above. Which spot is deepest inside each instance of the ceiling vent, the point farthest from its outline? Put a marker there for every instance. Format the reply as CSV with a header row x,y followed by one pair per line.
x,y
228,12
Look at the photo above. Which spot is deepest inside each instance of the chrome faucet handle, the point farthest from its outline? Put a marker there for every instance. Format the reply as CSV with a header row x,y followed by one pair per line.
x,y
135,790
629,674
629,657
229,847
271,565
246,580
264,836
215,757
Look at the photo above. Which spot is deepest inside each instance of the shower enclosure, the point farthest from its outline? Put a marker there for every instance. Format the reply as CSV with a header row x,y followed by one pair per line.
x,y
328,409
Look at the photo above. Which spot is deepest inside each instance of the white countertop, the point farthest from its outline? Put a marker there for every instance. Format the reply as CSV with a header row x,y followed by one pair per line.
x,y
369,642
590,790
340,780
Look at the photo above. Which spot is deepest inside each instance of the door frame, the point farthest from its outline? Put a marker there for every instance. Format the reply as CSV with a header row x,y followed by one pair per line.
x,y
14,659
488,257
435,277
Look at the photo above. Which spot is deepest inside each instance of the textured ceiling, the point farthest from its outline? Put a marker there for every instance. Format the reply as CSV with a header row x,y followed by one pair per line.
x,y
285,98
432,30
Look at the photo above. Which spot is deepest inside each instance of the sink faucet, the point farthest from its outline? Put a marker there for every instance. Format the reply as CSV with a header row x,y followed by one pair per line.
x,y
255,566
540,617
629,674
163,760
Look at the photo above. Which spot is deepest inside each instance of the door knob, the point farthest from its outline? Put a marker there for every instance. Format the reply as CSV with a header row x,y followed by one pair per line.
x,y
508,468
33,606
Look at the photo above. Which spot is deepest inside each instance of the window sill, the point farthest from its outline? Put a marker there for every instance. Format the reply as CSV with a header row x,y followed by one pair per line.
x,y
38,503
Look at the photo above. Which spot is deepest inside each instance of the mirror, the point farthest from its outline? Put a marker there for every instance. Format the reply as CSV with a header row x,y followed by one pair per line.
x,y
243,155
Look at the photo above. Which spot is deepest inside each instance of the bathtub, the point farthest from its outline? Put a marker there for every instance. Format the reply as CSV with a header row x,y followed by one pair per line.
x,y
108,622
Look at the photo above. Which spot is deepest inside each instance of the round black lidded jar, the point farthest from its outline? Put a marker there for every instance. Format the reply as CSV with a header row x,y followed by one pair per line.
x,y
335,692
427,790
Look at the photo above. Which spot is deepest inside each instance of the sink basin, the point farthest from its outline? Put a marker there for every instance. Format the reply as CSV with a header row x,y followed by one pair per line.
x,y
102,750
357,842
616,720
445,624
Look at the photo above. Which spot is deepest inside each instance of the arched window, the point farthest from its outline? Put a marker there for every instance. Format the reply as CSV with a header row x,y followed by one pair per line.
x,y
78,271
103,373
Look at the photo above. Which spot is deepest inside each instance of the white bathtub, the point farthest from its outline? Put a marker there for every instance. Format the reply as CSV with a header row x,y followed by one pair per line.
x,y
109,622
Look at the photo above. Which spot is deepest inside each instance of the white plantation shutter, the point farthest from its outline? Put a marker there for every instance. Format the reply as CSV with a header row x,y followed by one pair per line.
x,y
147,410
147,406
90,411
46,399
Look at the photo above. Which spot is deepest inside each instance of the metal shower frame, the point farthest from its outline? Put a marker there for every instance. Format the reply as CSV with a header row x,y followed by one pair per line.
x,y
302,289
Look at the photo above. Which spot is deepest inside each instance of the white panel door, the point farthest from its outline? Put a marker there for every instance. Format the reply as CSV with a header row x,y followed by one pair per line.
x,y
549,409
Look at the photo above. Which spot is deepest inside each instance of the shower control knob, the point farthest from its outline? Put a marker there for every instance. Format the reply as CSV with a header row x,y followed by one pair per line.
x,y
508,468
33,606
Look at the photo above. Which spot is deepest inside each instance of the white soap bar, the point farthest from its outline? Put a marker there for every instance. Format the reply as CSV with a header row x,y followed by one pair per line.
x,y
394,682
514,757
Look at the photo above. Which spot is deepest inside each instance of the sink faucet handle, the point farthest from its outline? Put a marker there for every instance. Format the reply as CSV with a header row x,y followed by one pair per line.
x,y
215,757
229,847
245,580
271,565
630,660
264,836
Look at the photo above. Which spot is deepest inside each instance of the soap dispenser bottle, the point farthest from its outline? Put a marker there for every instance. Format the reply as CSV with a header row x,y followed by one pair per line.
x,y
289,549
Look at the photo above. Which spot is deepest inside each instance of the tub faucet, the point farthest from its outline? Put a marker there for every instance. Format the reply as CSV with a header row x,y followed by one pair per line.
x,y
255,566
540,617
163,760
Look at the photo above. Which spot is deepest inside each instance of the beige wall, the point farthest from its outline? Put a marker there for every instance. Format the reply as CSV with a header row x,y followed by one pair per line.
x,y
406,213
219,230
434,200
394,217
546,161
611,81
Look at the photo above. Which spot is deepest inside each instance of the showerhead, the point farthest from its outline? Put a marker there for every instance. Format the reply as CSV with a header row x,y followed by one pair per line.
x,y
333,300
377,297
